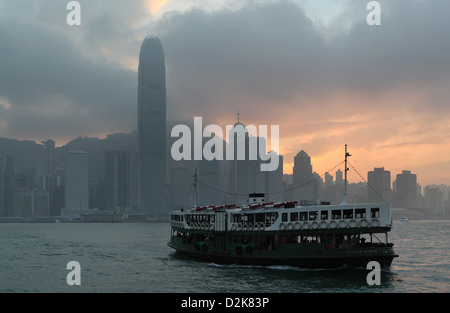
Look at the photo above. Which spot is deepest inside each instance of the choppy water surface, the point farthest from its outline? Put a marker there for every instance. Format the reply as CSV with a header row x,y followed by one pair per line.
x,y
134,257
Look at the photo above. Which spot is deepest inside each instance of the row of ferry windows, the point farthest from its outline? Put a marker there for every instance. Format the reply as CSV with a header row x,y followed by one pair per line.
x,y
335,215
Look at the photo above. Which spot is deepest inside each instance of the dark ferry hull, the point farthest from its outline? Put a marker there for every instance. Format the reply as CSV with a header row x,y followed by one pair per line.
x,y
327,259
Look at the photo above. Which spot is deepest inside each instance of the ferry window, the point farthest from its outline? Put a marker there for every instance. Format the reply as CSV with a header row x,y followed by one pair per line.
x,y
271,218
284,217
324,215
259,217
336,214
348,213
294,216
375,212
313,215
303,216
360,213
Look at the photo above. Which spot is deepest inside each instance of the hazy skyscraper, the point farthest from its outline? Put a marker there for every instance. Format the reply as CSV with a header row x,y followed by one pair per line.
x,y
406,190
379,188
77,181
120,179
303,177
7,186
2,187
152,127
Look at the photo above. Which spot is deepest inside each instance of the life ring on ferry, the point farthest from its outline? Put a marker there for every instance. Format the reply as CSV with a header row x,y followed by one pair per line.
x,y
282,226
297,225
290,226
353,223
211,227
375,223
314,225
261,226
323,224
239,226
250,226
342,224
233,227
333,224
364,223
305,225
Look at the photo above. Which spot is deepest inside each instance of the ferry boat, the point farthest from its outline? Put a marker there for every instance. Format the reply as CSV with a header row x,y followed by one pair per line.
x,y
285,233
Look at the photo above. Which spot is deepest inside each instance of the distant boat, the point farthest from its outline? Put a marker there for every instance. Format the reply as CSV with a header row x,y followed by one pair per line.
x,y
403,219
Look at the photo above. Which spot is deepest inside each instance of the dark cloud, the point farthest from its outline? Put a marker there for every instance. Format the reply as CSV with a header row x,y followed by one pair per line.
x,y
273,55
54,91
321,82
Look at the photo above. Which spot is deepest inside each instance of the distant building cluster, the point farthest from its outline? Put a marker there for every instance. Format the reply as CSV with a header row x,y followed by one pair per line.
x,y
132,176
68,183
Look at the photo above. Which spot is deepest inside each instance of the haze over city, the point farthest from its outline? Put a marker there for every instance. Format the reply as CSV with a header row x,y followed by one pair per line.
x,y
315,68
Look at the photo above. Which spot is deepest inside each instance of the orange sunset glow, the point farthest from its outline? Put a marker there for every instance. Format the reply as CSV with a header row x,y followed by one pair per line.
x,y
314,68
155,5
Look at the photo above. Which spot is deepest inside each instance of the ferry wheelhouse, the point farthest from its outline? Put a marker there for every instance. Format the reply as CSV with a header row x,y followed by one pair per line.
x,y
285,233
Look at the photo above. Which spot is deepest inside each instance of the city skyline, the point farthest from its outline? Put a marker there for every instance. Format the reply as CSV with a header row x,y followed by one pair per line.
x,y
104,180
313,67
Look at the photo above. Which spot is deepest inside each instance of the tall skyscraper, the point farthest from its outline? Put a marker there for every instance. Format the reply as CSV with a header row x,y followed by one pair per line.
x,y
379,188
77,181
303,176
406,190
152,127
2,187
7,186
274,183
244,171
120,179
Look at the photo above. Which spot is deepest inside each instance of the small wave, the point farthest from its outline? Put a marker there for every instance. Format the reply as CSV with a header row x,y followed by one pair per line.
x,y
272,267
234,265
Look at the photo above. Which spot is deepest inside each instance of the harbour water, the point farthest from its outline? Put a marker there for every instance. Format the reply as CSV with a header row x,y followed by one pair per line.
x,y
134,257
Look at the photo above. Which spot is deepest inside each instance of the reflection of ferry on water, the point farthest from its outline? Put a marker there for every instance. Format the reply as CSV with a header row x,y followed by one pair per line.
x,y
285,233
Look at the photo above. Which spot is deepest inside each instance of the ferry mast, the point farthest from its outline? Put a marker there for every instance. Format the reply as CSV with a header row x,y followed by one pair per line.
x,y
344,200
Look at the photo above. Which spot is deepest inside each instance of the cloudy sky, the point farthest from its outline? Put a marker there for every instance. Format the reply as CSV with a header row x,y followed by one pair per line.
x,y
313,67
